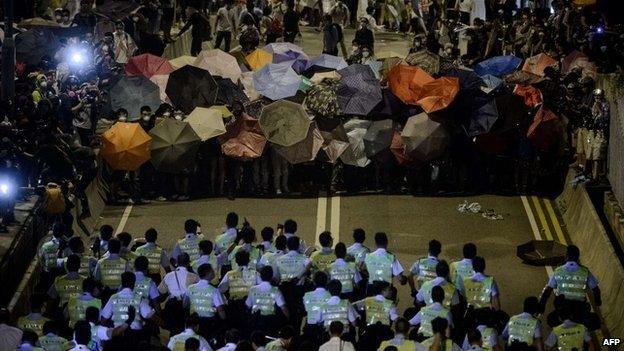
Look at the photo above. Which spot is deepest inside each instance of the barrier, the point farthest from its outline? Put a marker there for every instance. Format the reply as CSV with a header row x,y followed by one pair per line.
x,y
612,84
180,47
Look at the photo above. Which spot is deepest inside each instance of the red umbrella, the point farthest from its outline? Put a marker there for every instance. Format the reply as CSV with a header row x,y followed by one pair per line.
x,y
536,64
578,59
531,95
438,94
545,130
148,65
243,139
406,82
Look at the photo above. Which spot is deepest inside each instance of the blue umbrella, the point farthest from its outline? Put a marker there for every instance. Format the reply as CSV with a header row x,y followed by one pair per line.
x,y
498,65
468,79
325,62
276,81
359,91
490,83
482,115
288,53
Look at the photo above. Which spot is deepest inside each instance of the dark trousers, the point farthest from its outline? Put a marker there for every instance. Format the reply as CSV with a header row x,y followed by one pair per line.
x,y
227,37
174,316
196,46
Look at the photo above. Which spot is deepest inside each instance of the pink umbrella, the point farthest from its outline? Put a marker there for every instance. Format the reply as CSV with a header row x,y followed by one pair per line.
x,y
161,80
147,65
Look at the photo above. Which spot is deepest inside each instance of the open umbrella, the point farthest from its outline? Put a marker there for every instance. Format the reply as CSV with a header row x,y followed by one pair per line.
x,y
406,82
578,59
304,150
498,65
147,65
254,108
161,80
468,79
206,122
523,78
189,87
322,98
426,60
284,122
391,107
438,94
531,95
125,146
376,67
34,44
424,139
512,112
355,154
378,137
324,63
182,61
246,81
387,65
545,131
490,83
115,9
536,64
229,92
133,92
243,139
288,53
482,114
219,63
276,81
223,111
359,91
318,77
335,139
258,59
174,145
542,253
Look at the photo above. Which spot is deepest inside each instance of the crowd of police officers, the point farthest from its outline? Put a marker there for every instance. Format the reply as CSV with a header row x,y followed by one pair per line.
x,y
280,294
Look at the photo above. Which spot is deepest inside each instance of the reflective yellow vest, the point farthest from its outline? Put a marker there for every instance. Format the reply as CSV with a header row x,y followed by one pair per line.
x,y
322,260
240,282
428,314
344,273
570,338
180,339
212,260
460,270
291,266
486,335
142,287
313,305
191,246
120,307
153,253
447,345
254,256
49,255
406,345
426,269
449,291
338,312
200,298
572,284
379,267
478,294
377,311
111,270
53,343
77,308
66,287
521,329
35,325
263,302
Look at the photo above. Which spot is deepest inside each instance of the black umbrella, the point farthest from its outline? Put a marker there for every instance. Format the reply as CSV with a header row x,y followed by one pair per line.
x,y
542,253
483,114
378,137
392,107
115,10
468,80
190,87
512,112
34,44
174,145
133,92
229,92
359,91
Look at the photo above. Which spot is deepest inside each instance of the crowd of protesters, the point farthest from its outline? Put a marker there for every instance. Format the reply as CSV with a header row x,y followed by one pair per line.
x,y
240,292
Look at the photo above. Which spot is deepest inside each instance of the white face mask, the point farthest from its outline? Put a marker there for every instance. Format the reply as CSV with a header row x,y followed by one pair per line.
x,y
123,118
105,48
43,84
365,53
146,118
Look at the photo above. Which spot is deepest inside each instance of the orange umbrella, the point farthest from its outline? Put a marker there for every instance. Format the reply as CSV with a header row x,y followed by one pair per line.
x,y
406,82
126,146
578,59
243,139
531,95
398,149
536,64
258,58
545,130
438,94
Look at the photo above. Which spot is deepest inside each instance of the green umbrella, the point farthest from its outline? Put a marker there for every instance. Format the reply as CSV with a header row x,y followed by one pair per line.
x,y
284,122
174,145
426,60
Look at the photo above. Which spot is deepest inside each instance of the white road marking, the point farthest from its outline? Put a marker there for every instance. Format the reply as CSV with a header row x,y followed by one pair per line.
x,y
321,218
335,219
124,219
536,232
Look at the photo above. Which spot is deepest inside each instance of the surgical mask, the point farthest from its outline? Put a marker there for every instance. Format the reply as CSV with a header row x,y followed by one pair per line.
x,y
365,53
123,118
105,48
146,118
43,84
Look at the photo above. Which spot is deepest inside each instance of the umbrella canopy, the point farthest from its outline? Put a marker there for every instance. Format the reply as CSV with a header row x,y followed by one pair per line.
x,y
243,139
397,147
304,150
376,67
206,122
229,92
542,253
378,137
391,107
174,145
190,87
523,78
258,59
318,77
482,114
223,111
355,154
246,81
531,95
284,122
34,44
125,146
498,65
545,130
490,83
115,9
288,53
276,81
324,62
182,61
254,108
219,63
578,59
438,94
161,80
359,91
426,60
148,65
468,79
424,139
536,64
387,65
133,92
512,112
322,98
335,139
406,82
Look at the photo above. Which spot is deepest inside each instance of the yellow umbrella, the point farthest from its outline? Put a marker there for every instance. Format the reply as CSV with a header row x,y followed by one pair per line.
x,y
126,146
182,61
222,110
258,58
206,122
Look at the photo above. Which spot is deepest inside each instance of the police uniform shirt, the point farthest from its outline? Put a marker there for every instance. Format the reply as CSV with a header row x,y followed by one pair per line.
x,y
436,306
190,333
224,285
478,277
176,249
352,315
302,244
437,281
264,261
164,259
53,294
176,282
357,277
97,274
144,312
205,259
267,246
524,315
492,338
358,252
551,341
397,269
229,233
293,253
60,262
415,270
152,292
217,299
56,242
571,266
228,347
399,340
361,305
264,287
102,333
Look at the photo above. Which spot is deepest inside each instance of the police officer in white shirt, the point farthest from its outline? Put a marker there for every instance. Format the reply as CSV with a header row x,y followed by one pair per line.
x,y
382,265
290,230
175,285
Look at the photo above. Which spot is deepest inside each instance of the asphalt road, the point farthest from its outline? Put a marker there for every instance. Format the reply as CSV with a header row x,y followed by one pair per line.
x,y
410,223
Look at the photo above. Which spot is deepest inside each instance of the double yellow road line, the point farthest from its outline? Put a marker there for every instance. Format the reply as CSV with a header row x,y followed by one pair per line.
x,y
548,221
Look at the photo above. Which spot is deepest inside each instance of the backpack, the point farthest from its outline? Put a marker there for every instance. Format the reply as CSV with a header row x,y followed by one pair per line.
x,y
53,200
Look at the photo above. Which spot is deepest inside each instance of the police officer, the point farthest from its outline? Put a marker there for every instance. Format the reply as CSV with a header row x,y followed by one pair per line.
x,y
227,238
357,251
144,285
236,284
67,285
337,309
109,269
269,258
423,318
205,301
207,256
382,265
572,280
321,259
424,269
525,327
267,240
346,272
77,305
451,296
100,246
48,254
248,236
480,290
440,340
177,342
33,320
463,268
175,286
290,230
190,243
156,255
262,300
380,312
87,262
400,341
51,341
313,302
569,335
292,269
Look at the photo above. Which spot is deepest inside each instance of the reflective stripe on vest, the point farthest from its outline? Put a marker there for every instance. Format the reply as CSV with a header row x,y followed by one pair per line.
x,y
461,270
212,261
426,269
67,288
345,273
240,282
449,291
356,255
254,256
521,329
153,253
201,301
263,301
49,252
313,305
570,338
35,324
379,267
76,308
223,241
191,246
120,307
406,345
142,287
53,343
572,284
338,312
377,311
291,266
478,294
322,260
111,270
427,315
